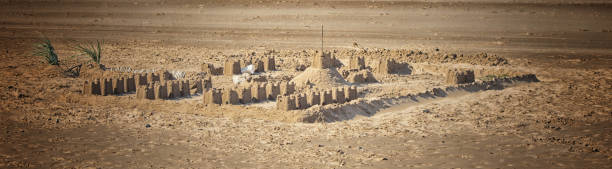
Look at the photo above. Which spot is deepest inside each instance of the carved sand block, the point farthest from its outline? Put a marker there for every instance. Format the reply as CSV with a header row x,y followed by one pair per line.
x,y
231,68
326,97
244,94
272,90
285,103
338,95
313,98
230,96
212,96
300,101
258,92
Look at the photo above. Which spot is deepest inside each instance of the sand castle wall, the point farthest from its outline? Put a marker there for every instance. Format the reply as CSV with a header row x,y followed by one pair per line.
x,y
326,97
230,96
259,65
118,86
145,92
212,96
146,86
350,93
164,90
272,90
286,102
301,101
244,94
258,92
185,88
287,88
313,98
92,87
338,95
269,63
367,107
231,67
250,94
174,90
479,71
143,85
106,86
210,69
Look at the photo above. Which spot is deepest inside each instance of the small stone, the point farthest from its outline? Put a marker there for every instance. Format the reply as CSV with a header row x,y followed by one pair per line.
x,y
148,125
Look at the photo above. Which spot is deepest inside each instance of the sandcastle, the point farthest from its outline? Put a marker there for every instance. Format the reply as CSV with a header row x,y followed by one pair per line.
x,y
327,85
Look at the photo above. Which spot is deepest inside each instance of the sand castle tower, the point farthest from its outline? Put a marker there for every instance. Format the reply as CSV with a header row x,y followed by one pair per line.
x,y
321,73
322,61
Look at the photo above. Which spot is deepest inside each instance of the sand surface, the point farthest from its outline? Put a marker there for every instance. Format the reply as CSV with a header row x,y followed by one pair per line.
x,y
562,121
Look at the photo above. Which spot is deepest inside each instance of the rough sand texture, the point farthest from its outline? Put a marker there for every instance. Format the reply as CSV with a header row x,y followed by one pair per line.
x,y
563,121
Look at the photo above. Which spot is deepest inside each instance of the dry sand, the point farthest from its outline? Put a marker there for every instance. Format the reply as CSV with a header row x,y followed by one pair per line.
x,y
563,121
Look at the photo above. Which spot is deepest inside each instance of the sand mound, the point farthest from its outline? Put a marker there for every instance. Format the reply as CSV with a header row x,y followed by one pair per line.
x,y
320,78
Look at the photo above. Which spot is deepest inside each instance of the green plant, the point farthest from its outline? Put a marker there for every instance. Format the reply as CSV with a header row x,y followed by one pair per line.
x,y
45,49
91,50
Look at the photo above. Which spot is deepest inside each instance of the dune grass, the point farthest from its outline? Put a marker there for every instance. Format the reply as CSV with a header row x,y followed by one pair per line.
x,y
91,50
46,50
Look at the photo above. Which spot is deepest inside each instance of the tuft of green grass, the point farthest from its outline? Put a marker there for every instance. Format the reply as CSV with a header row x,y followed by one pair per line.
x,y
91,50
45,49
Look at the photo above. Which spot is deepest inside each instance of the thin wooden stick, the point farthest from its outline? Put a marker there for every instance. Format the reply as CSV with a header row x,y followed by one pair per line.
x,y
321,38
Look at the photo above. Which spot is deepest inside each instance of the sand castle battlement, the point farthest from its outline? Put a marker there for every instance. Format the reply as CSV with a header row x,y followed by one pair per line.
x,y
168,90
233,67
257,92
322,60
211,70
146,86
338,95
118,85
